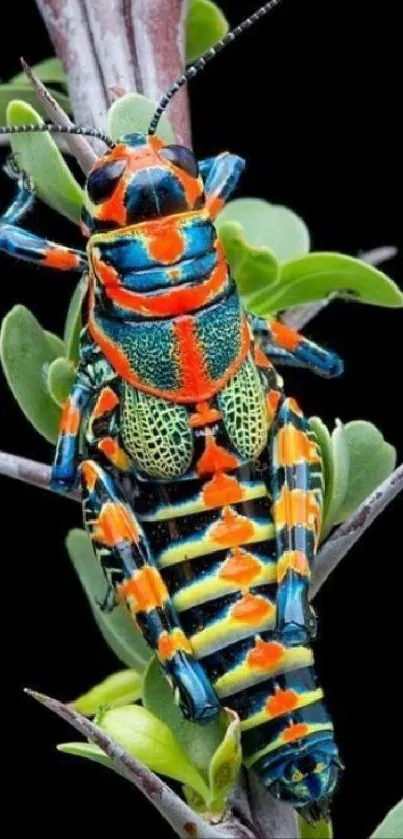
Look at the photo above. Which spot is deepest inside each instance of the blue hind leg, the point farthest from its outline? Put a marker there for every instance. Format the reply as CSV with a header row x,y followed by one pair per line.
x,y
286,346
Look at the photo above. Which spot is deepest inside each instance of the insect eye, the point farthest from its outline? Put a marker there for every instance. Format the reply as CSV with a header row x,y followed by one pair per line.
x,y
101,182
182,157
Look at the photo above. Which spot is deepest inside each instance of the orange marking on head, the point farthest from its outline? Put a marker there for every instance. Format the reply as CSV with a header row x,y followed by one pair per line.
x,y
272,399
90,473
252,608
146,589
240,568
115,524
297,507
260,358
106,402
294,445
232,530
222,490
215,458
293,561
284,336
204,416
62,259
71,418
282,702
295,732
114,453
265,654
166,246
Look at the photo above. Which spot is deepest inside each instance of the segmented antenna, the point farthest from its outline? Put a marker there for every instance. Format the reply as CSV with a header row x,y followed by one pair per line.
x,y
57,129
207,56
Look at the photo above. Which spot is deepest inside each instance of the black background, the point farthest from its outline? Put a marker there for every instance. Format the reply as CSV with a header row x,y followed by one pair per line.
x,y
310,97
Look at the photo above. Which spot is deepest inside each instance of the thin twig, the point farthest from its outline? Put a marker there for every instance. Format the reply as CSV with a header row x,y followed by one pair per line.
x,y
30,472
79,146
338,545
176,812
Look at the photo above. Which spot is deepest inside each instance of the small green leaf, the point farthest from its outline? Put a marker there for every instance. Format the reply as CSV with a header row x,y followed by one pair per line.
x,y
55,343
338,478
74,321
268,225
38,155
225,765
199,741
49,70
392,825
26,352
18,90
371,461
148,739
319,830
131,114
117,627
253,268
119,689
317,275
205,25
60,380
90,751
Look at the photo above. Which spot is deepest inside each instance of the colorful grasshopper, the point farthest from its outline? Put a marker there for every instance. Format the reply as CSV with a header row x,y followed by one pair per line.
x,y
202,482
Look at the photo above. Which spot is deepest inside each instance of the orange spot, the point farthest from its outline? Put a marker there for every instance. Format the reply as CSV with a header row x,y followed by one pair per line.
x,y
204,415
114,453
215,458
260,358
65,260
272,399
106,402
251,609
240,567
282,702
147,589
222,490
295,731
294,445
115,524
168,645
297,507
71,419
166,244
284,336
232,530
293,561
266,654
90,474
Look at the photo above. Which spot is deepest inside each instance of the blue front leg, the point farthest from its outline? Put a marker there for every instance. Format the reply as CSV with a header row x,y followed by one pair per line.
x,y
220,175
286,346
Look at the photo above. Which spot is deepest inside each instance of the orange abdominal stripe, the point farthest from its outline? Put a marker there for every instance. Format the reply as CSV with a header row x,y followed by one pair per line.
x,y
295,731
232,530
265,655
115,524
240,568
146,588
215,458
222,490
294,445
251,609
282,702
65,260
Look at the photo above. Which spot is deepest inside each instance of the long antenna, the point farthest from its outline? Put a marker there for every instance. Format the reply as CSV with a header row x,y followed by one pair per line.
x,y
57,129
207,56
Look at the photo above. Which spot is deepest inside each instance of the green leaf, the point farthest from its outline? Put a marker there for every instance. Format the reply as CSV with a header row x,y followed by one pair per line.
x,y
90,751
55,343
319,830
225,765
117,627
119,689
338,478
268,225
199,741
371,461
60,380
132,113
38,155
26,352
148,739
18,90
392,825
49,70
205,25
253,268
74,323
317,275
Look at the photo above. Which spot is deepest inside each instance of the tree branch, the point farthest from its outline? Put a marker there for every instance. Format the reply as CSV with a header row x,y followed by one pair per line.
x,y
338,545
119,45
30,472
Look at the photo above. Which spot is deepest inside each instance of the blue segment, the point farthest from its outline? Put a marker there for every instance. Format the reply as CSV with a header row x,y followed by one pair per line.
x,y
187,271
198,700
223,173
306,354
64,470
219,331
